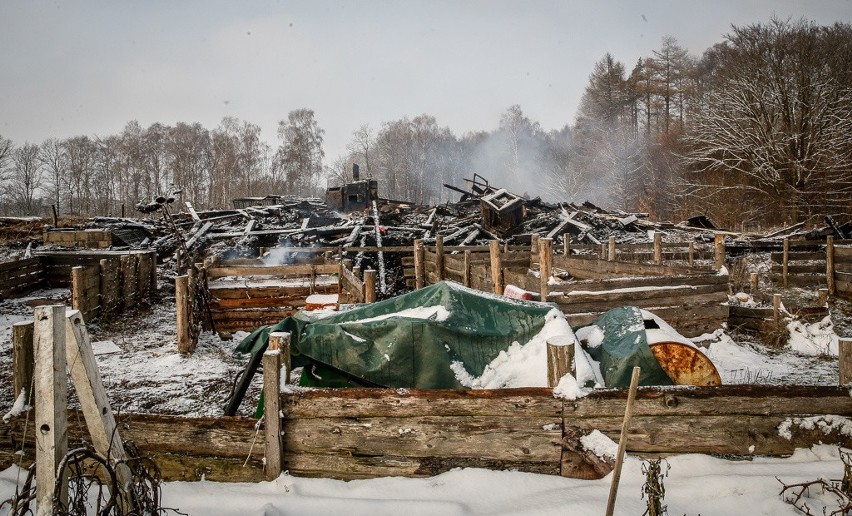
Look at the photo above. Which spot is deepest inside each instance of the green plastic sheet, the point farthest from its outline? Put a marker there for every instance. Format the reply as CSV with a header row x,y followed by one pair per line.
x,y
408,341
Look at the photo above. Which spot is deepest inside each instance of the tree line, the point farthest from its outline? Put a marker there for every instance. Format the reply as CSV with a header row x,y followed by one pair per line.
x,y
758,129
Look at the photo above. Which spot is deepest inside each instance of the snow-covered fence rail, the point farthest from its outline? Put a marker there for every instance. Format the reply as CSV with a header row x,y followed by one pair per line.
x,y
692,304
363,433
22,276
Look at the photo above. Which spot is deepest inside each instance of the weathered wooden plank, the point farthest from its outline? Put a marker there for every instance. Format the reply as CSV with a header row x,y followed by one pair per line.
x,y
277,271
685,302
801,268
843,252
259,302
490,437
732,400
799,256
533,402
280,292
353,466
645,293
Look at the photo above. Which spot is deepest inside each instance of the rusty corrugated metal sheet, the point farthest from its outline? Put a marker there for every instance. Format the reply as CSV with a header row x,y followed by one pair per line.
x,y
685,364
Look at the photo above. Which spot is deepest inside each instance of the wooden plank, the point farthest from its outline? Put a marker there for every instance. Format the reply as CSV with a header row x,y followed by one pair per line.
x,y
533,402
278,271
284,293
351,466
731,400
643,293
93,399
51,400
490,437
17,264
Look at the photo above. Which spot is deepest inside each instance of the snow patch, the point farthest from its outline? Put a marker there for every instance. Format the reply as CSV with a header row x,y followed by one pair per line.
x,y
599,444
827,424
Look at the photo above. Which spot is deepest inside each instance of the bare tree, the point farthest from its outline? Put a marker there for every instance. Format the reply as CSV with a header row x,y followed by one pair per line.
x,y
361,147
300,152
778,124
26,178
55,161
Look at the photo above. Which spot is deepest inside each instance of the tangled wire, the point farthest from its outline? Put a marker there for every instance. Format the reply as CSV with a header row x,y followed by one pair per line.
x,y
92,485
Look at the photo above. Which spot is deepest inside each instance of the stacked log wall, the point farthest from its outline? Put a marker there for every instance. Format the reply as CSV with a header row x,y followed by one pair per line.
x,y
843,271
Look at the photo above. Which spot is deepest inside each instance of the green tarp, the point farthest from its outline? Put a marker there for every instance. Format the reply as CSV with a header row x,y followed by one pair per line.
x,y
624,346
408,341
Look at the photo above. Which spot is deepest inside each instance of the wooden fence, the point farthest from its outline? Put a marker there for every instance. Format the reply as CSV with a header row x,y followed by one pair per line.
x,y
245,295
692,299
102,284
365,433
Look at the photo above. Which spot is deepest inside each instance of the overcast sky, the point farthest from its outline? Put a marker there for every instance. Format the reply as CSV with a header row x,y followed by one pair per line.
x,y
84,67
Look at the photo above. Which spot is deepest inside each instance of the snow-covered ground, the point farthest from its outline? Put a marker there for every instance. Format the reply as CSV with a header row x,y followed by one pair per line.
x,y
148,375
696,484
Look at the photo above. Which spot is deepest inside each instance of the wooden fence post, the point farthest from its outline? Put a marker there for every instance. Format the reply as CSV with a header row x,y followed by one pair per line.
x,y
419,265
822,296
602,252
78,289
720,252
610,255
534,249
466,272
183,312
829,265
566,245
776,307
439,256
496,266
754,281
560,358
281,340
23,359
658,248
369,286
51,407
272,413
545,259
357,271
845,355
691,251
785,263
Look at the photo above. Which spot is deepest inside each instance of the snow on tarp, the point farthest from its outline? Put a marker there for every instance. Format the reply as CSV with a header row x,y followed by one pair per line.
x,y
441,336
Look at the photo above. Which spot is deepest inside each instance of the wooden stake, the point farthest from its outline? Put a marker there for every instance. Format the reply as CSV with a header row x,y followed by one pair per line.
x,y
51,407
610,254
272,413
496,266
622,441
280,340
829,265
78,293
545,259
845,353
534,250
691,251
776,307
466,274
566,245
754,281
369,286
439,256
720,252
822,296
658,248
419,264
560,358
785,263
183,315
23,359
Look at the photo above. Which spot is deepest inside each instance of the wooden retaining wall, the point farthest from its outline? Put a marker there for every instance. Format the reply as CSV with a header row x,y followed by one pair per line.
x,y
692,304
22,276
839,259
245,296
185,449
799,264
365,433
113,284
